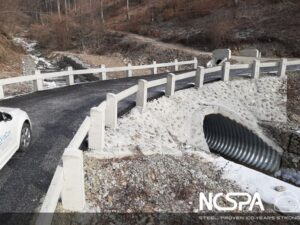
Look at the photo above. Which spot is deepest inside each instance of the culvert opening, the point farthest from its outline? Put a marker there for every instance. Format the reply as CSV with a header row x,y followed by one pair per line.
x,y
237,143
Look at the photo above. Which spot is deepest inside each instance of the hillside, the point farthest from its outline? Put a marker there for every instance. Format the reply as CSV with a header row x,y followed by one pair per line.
x,y
12,21
271,26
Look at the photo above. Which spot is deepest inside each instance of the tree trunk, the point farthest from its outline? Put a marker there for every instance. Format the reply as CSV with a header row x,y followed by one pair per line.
x,y
102,14
75,5
66,7
46,5
127,7
51,7
69,4
58,8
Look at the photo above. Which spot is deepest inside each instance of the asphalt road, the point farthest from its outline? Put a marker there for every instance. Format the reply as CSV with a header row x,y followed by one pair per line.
x,y
56,115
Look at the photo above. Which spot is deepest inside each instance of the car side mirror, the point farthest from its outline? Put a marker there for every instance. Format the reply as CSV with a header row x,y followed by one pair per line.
x,y
6,117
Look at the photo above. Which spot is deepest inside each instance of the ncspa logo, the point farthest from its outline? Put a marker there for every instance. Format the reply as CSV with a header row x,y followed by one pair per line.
x,y
237,201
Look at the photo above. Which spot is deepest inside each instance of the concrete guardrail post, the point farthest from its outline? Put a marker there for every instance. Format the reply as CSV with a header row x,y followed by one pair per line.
x,y
73,195
226,71
50,202
282,68
195,63
171,82
129,71
142,94
1,92
70,77
38,83
176,65
256,69
154,69
111,111
97,128
199,80
103,73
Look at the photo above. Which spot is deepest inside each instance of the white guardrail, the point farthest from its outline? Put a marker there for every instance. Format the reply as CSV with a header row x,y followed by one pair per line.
x,y
69,74
68,180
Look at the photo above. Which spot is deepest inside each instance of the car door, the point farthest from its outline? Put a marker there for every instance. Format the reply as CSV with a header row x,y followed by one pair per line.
x,y
8,140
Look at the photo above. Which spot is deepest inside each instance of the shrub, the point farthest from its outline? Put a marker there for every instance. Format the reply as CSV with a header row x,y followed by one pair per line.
x,y
55,33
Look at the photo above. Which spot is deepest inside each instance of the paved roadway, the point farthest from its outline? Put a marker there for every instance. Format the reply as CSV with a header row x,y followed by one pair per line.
x,y
56,115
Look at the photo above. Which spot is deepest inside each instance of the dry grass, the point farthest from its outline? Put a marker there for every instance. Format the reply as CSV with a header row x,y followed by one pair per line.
x,y
10,58
55,33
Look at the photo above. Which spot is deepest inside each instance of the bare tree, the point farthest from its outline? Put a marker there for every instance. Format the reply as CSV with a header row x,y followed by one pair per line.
x,y
102,14
58,9
127,7
66,7
75,5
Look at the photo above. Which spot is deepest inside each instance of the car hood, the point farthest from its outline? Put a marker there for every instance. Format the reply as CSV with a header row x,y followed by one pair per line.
x,y
8,110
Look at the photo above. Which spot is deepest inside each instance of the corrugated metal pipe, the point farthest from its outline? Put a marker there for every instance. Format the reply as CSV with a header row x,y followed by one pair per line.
x,y
235,142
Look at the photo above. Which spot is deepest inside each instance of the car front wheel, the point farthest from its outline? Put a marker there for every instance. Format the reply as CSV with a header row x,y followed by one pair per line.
x,y
25,137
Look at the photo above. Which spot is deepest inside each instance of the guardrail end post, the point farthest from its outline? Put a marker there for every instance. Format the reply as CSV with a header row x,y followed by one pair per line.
x,y
129,71
199,80
1,92
38,83
195,63
256,69
111,111
73,195
97,128
176,65
154,69
282,68
70,77
171,82
103,73
226,71
142,94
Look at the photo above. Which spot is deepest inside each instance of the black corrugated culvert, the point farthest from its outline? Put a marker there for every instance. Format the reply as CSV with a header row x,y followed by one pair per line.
x,y
235,142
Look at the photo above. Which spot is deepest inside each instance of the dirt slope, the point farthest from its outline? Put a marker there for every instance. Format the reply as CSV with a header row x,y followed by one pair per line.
x,y
10,58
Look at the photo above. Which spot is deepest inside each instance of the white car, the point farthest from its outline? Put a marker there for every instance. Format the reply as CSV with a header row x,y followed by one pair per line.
x,y
15,133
